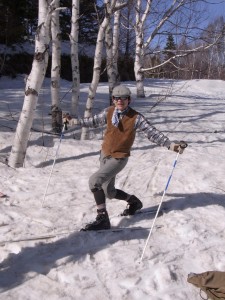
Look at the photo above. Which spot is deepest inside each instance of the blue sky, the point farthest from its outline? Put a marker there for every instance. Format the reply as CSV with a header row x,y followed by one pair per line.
x,y
216,7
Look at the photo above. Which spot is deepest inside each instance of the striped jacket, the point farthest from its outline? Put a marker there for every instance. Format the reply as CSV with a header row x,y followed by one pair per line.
x,y
141,124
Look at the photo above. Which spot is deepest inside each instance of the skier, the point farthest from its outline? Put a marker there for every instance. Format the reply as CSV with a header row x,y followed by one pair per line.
x,y
121,124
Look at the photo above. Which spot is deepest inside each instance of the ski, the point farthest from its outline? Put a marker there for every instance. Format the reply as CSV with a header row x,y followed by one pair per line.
x,y
145,211
51,236
113,229
120,229
34,238
151,211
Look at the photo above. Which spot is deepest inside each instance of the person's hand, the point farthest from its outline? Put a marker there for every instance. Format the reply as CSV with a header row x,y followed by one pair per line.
x,y
66,118
178,146
75,121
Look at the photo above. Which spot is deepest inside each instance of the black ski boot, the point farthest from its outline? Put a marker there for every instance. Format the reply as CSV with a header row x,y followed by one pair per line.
x,y
133,204
101,222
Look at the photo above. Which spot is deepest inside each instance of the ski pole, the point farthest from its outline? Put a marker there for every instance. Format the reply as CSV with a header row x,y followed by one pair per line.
x,y
56,154
160,204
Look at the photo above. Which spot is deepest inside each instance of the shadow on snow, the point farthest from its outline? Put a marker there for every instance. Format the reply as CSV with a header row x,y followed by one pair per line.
x,y
40,259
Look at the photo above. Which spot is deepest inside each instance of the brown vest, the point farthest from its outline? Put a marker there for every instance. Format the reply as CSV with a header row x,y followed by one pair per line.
x,y
119,140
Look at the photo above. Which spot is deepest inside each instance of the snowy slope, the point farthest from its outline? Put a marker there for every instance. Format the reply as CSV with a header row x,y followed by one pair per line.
x,y
70,264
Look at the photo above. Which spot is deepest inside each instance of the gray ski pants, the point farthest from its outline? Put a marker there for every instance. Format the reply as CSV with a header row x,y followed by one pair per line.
x,y
104,178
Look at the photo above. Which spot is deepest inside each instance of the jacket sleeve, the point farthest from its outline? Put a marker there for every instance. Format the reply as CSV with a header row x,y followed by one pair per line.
x,y
95,121
151,132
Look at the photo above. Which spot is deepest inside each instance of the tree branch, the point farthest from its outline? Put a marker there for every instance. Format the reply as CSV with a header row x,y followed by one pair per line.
x,y
186,53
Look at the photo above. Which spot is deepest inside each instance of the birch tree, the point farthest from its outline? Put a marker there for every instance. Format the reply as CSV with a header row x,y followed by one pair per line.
x,y
55,70
179,17
111,43
110,8
33,84
115,48
74,56
142,43
195,59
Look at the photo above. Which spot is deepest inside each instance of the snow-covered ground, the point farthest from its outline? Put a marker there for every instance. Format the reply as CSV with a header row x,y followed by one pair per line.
x,y
189,237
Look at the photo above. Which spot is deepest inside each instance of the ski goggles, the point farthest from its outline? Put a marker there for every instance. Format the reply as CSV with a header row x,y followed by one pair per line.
x,y
117,98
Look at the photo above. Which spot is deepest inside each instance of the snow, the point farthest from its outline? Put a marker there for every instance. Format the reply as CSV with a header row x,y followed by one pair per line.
x,y
188,237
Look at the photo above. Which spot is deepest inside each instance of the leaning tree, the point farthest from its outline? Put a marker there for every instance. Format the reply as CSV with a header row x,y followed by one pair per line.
x,y
33,83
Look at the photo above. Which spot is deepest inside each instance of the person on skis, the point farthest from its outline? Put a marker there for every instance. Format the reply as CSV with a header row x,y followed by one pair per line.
x,y
121,121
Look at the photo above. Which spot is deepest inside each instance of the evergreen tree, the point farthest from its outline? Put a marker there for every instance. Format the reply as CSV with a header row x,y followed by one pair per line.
x,y
170,50
170,46
17,20
88,22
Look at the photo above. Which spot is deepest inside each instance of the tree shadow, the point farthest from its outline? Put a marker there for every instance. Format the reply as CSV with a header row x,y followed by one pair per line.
x,y
88,154
184,201
178,202
40,259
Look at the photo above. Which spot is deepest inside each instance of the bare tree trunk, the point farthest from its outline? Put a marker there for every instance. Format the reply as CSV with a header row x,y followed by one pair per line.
x,y
111,42
96,75
55,71
97,65
139,48
74,56
210,59
193,66
33,85
109,58
142,43
110,8
138,64
116,32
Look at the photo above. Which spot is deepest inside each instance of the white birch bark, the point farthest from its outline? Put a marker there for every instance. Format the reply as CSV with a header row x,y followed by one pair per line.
x,y
74,57
115,50
109,58
139,47
142,42
33,84
97,64
111,43
96,76
110,7
55,71
138,63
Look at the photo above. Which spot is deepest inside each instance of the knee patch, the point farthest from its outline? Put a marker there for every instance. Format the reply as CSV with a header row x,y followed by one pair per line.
x,y
94,183
99,196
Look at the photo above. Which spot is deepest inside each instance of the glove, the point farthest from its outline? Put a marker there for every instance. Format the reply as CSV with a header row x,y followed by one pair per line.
x,y
178,146
66,118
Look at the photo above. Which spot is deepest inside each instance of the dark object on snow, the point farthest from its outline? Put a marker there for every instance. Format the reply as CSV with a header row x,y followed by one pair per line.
x,y
56,119
211,282
3,195
101,223
134,204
